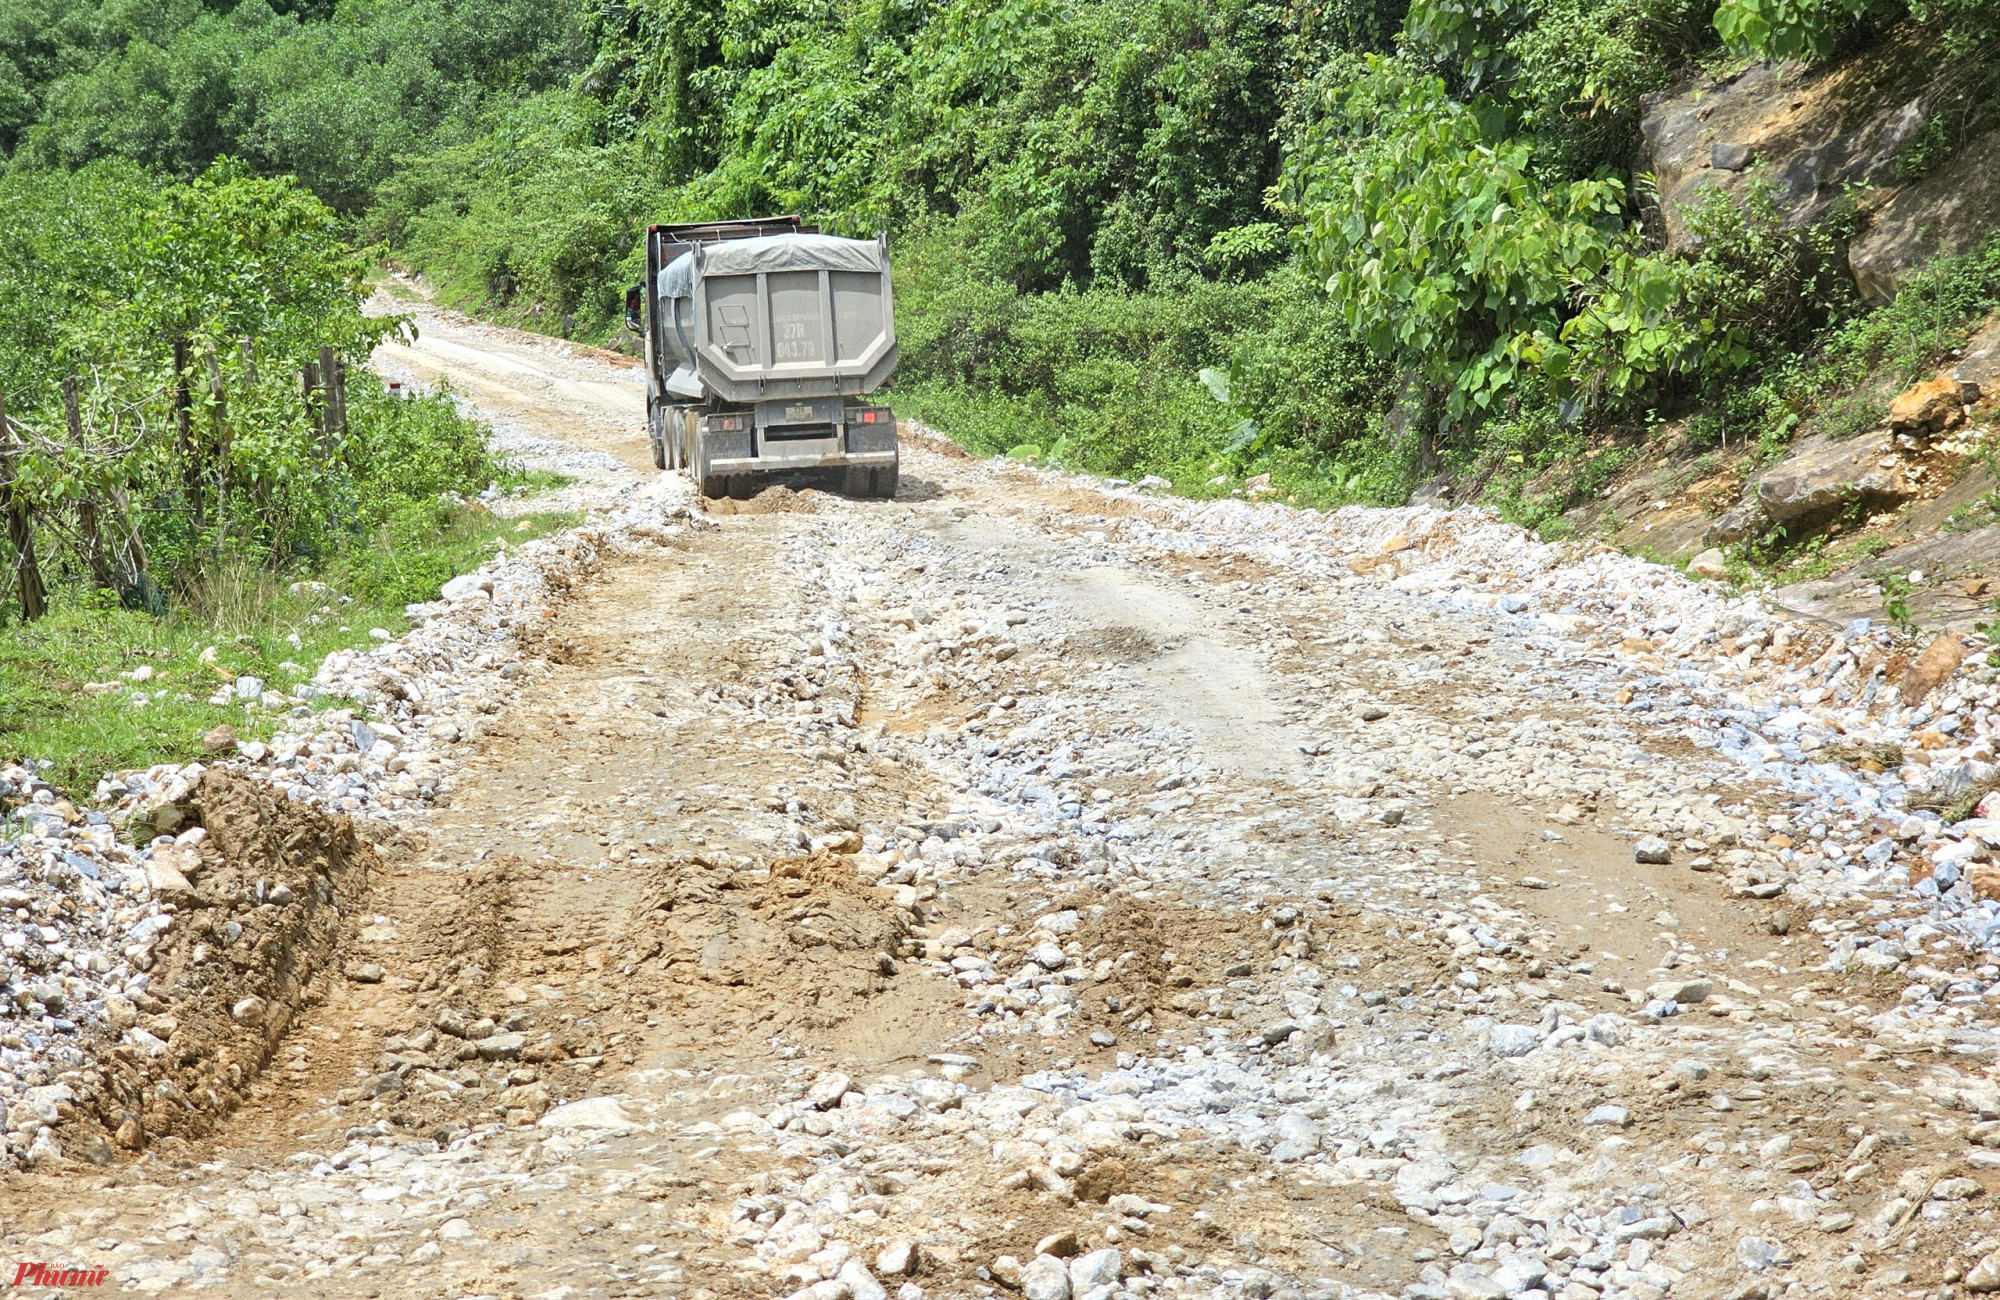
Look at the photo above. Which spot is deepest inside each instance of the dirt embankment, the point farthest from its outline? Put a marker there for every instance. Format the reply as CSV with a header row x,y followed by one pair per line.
x,y
260,909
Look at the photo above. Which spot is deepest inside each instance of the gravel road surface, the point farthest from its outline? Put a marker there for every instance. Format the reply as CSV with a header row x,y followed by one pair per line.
x,y
1026,886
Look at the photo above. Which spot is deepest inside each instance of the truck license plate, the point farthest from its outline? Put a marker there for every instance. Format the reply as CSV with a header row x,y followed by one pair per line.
x,y
805,411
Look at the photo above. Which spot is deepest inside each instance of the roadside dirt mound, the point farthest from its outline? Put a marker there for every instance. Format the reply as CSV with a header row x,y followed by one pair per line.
x,y
1148,963
267,901
1135,944
462,945
775,500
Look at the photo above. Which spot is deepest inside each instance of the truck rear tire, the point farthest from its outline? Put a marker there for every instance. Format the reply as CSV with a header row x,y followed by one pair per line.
x,y
695,459
680,437
656,433
863,483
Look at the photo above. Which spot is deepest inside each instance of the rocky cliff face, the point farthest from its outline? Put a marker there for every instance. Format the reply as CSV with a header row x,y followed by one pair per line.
x,y
1820,133
1948,211
1888,505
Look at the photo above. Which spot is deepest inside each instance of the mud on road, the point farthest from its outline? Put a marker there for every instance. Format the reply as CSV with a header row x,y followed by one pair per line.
x,y
995,891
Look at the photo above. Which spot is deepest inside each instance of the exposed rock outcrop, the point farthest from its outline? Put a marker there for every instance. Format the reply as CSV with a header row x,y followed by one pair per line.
x,y
1821,475
1814,130
1821,133
1739,523
1949,211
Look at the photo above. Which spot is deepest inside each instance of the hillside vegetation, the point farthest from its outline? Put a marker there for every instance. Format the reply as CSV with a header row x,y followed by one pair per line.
x,y
203,489
1347,243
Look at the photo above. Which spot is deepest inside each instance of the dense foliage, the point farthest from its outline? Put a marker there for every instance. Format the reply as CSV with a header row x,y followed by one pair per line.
x,y
330,93
1792,29
1347,240
154,342
185,496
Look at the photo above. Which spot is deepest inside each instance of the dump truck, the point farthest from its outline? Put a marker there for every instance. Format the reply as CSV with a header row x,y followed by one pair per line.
x,y
765,340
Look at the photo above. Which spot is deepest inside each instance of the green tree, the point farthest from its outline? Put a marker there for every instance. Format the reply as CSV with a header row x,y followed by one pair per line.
x,y
151,340
1447,252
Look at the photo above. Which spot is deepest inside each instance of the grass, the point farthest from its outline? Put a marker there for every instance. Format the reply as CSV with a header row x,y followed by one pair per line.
x,y
241,621
996,424
1539,494
1876,758
1973,515
1956,809
400,290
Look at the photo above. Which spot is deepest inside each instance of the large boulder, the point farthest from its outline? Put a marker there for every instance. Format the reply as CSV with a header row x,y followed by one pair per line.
x,y
1821,475
1931,407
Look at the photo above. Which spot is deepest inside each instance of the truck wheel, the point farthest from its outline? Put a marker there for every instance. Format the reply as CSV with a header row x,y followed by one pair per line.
x,y
656,434
681,437
863,483
711,485
694,456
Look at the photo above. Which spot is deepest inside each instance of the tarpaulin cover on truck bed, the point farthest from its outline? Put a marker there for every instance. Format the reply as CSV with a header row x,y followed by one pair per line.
x,y
771,253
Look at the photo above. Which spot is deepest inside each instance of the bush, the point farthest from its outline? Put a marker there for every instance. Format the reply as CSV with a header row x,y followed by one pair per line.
x,y
1764,286
152,338
1105,379
1455,260
1841,383
529,219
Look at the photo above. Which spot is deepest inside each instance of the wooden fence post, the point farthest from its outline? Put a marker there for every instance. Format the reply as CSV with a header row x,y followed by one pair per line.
x,y
334,376
316,401
86,509
191,480
222,440
27,573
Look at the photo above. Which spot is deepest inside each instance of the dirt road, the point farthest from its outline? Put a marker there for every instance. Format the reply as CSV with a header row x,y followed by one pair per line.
x,y
932,896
